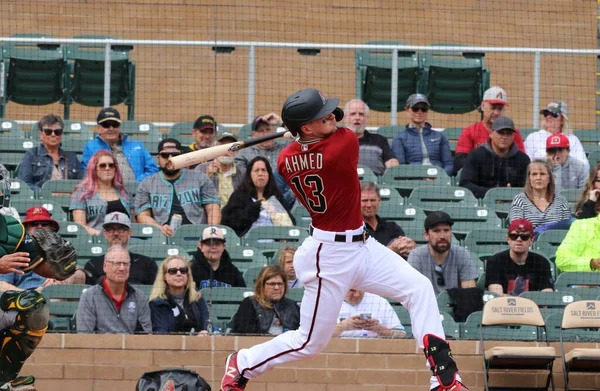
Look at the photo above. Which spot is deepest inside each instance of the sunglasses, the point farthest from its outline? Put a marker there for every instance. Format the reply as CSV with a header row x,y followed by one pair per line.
x,y
166,155
524,237
423,109
596,180
440,273
107,125
43,224
105,165
549,113
173,270
48,132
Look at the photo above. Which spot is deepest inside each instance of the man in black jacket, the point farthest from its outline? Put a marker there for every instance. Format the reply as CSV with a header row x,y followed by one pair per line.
x,y
212,266
497,163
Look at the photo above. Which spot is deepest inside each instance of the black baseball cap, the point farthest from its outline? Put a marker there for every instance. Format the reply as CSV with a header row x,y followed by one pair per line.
x,y
503,123
169,143
205,122
108,114
437,217
257,121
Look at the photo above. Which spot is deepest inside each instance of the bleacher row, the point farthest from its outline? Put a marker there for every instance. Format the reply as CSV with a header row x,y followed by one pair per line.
x,y
224,302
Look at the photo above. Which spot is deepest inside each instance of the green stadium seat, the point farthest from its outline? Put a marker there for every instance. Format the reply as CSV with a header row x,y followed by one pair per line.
x,y
20,189
76,129
374,76
264,238
182,131
245,132
454,81
587,136
251,274
22,204
573,196
451,328
467,219
146,234
432,198
141,130
594,158
86,81
63,300
390,131
365,174
406,177
59,192
452,134
147,289
301,215
74,144
591,148
131,188
245,258
10,128
404,317
188,236
221,295
295,294
404,215
548,241
158,252
569,280
16,144
486,241
499,199
551,302
34,75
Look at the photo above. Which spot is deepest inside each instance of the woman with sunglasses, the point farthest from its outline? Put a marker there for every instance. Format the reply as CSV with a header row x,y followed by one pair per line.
x,y
539,202
176,306
419,144
589,204
555,121
268,311
49,161
101,192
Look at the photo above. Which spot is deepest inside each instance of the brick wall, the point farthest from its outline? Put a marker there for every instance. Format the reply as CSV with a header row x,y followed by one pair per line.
x,y
66,362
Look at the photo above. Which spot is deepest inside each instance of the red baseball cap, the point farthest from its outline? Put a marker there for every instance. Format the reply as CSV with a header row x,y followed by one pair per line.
x,y
39,213
520,225
557,140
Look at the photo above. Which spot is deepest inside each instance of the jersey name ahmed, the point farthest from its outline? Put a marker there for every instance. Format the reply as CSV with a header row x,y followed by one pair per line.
x,y
322,174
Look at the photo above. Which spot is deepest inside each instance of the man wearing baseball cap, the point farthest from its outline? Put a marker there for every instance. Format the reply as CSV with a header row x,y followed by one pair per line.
x,y
497,163
493,106
224,172
569,173
169,192
211,265
445,265
204,131
134,160
516,270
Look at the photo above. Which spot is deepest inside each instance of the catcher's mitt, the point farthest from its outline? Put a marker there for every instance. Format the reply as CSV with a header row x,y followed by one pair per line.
x,y
57,254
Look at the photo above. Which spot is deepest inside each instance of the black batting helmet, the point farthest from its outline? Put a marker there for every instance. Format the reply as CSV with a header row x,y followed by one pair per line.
x,y
308,105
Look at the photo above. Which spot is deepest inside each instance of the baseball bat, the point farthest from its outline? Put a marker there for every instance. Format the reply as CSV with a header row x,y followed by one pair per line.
x,y
206,154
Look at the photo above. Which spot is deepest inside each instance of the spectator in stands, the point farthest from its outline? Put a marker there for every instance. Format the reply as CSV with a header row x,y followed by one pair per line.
x,y
113,305
516,270
264,125
49,161
555,122
419,144
257,201
588,206
445,265
100,193
374,149
366,315
473,136
568,172
497,163
132,156
211,265
385,232
176,306
117,231
539,202
286,262
580,251
268,311
225,174
204,133
183,192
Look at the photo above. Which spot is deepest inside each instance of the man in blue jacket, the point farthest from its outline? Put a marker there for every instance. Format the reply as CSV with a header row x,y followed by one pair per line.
x,y
134,160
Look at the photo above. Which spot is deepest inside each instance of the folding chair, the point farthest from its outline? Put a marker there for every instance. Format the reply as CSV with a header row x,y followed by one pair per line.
x,y
580,317
499,317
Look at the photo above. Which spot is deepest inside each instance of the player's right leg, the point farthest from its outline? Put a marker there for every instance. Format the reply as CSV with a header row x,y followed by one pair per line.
x,y
327,271
20,339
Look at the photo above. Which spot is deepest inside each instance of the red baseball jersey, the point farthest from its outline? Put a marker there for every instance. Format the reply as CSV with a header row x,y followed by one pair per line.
x,y
322,174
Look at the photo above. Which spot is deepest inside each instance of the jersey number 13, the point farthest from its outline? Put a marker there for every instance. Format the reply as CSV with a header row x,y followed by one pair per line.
x,y
311,191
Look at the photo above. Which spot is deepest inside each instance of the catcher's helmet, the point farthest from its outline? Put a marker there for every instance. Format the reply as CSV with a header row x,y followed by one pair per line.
x,y
308,105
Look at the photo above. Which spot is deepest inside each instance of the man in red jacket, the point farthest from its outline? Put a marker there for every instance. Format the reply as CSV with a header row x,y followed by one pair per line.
x,y
493,106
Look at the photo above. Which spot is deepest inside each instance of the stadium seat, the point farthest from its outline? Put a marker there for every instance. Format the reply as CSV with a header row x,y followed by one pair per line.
x,y
141,130
245,132
499,199
188,236
74,144
432,198
404,215
59,192
390,131
245,258
486,241
146,234
573,196
550,302
587,136
295,294
22,204
86,76
374,76
451,328
10,128
223,303
576,321
467,219
63,300
20,189
75,129
594,158
454,81
182,131
548,241
251,274
470,328
404,317
158,252
264,237
34,74
16,144
569,280
365,174
406,177
514,319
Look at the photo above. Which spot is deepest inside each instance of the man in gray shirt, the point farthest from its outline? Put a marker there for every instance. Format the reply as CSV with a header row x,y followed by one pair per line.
x,y
190,194
445,265
112,305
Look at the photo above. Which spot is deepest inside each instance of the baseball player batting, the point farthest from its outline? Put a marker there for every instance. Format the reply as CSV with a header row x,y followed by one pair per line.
x,y
320,167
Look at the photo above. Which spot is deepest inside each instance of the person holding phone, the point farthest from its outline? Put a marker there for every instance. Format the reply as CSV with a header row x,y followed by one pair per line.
x,y
366,315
